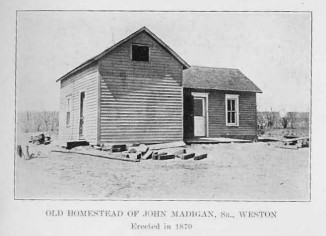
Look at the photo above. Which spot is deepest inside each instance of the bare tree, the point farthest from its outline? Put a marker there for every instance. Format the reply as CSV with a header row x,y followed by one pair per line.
x,y
285,122
46,119
306,120
31,121
24,121
38,121
292,117
54,120
271,119
261,120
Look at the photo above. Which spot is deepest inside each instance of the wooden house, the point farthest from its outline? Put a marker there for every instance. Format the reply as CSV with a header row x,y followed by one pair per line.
x,y
141,91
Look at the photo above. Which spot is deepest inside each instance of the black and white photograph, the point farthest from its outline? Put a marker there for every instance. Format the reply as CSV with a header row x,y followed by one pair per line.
x,y
123,105
162,117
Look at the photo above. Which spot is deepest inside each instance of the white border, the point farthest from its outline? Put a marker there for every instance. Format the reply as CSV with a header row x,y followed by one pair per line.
x,y
23,217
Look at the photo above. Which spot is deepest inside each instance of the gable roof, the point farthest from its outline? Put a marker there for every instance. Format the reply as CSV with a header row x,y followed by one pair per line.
x,y
200,77
105,52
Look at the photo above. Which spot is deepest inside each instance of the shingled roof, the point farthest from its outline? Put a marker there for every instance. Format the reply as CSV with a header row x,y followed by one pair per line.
x,y
200,77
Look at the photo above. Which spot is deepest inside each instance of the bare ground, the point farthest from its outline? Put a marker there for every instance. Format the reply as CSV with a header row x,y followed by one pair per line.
x,y
254,171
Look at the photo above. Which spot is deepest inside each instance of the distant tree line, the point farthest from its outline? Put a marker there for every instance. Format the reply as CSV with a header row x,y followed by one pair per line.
x,y
273,119
38,121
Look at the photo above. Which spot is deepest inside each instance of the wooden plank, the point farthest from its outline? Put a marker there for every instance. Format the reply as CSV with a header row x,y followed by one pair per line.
x,y
187,156
119,148
200,157
129,155
175,151
293,147
295,139
166,145
73,143
147,155
157,154
165,157
98,155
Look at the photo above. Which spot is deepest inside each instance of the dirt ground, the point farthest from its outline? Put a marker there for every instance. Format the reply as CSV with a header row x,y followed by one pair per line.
x,y
251,171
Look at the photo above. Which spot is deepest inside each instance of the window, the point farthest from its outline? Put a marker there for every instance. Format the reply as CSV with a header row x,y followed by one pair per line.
x,y
68,110
198,107
232,109
139,53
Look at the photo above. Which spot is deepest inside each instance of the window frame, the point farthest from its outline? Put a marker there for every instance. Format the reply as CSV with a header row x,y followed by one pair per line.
x,y
68,110
140,45
234,97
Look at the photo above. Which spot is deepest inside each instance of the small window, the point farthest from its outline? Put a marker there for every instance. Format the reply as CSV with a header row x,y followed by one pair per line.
x,y
232,109
139,53
198,107
68,110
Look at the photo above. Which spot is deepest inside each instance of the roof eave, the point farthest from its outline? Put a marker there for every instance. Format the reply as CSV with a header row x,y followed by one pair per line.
x,y
229,90
81,66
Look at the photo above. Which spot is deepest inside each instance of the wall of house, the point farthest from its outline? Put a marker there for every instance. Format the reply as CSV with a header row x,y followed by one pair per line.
x,y
140,101
247,128
85,80
247,116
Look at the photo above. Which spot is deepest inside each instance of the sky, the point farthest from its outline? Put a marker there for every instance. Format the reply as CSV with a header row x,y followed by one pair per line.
x,y
272,49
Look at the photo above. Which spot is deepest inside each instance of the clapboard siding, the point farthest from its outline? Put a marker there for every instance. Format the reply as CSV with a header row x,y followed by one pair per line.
x,y
247,115
85,80
217,127
140,101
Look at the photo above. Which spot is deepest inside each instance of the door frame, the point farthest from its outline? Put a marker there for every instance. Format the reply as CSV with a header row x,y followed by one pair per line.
x,y
202,95
81,136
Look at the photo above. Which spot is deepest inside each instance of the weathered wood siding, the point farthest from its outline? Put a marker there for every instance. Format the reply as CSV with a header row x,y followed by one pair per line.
x,y
85,80
216,115
140,101
247,115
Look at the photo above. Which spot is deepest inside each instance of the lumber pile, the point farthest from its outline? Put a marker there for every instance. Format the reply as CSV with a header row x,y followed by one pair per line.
x,y
40,139
162,151
137,152
166,151
295,143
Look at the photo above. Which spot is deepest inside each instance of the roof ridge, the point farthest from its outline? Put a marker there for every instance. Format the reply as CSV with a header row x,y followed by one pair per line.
x,y
122,41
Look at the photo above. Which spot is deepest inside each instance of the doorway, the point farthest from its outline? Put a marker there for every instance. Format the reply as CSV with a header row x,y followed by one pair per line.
x,y
81,116
200,114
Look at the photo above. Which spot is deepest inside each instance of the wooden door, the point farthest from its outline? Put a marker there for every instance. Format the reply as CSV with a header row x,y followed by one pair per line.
x,y
200,117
